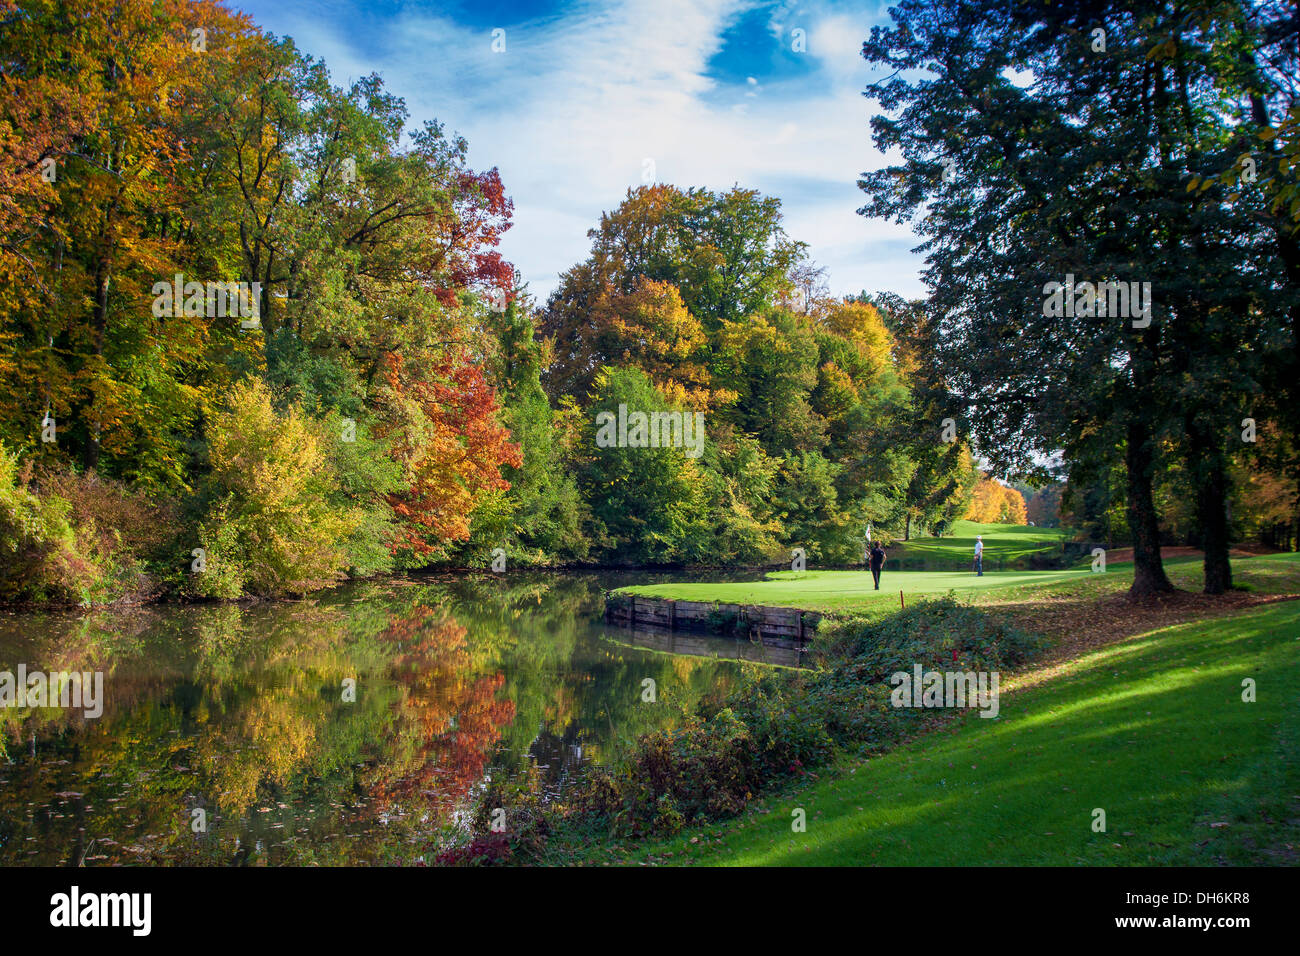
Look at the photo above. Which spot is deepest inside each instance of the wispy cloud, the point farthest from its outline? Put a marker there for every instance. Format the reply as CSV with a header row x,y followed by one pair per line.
x,y
584,94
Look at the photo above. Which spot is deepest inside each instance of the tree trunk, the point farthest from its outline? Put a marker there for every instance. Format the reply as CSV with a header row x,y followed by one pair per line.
x,y
1209,471
1148,570
99,323
907,528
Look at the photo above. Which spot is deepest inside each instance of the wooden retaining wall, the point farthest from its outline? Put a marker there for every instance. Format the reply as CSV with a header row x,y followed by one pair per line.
x,y
707,645
776,626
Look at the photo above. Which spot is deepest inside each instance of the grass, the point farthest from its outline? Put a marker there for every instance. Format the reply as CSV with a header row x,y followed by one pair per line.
x,y
1135,709
846,590
1152,730
853,591
1003,543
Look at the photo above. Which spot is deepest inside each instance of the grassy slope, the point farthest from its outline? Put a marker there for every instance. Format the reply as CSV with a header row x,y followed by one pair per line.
x,y
1001,541
1153,730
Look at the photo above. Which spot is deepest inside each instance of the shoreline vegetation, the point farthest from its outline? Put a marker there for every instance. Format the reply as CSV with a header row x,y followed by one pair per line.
x,y
66,540
729,777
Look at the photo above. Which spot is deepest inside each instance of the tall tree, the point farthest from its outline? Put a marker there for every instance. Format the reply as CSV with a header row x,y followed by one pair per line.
x,y
1051,146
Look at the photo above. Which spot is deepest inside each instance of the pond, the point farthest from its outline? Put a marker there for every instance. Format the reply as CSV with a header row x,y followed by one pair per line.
x,y
354,727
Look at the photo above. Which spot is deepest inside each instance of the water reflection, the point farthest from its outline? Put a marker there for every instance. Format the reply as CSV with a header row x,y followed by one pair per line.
x,y
239,716
700,645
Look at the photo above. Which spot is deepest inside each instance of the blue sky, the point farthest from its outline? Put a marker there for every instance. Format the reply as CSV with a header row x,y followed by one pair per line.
x,y
586,96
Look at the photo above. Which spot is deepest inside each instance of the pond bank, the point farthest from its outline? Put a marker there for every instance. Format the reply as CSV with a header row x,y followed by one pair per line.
x,y
774,626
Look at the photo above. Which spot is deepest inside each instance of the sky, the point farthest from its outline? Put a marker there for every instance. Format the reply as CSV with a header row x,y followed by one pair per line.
x,y
586,100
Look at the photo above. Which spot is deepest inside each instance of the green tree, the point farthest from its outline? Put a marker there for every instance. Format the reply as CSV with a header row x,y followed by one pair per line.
x,y
647,504
1079,171
270,527
541,513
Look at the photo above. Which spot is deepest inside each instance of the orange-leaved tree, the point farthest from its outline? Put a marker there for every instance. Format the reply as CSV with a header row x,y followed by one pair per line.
x,y
441,419
994,502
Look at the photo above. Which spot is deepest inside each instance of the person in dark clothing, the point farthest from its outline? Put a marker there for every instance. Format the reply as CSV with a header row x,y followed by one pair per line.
x,y
877,562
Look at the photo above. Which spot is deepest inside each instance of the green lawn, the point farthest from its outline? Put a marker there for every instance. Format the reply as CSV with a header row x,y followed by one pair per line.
x,y
839,591
1002,543
1153,730
847,590
816,590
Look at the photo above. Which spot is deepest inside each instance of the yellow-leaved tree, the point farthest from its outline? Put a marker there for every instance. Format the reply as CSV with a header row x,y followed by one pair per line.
x,y
270,527
995,503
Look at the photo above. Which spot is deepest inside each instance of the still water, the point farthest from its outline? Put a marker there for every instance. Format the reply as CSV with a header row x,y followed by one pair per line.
x,y
230,735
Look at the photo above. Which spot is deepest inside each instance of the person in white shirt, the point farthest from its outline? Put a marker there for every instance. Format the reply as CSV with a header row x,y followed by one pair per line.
x,y
979,555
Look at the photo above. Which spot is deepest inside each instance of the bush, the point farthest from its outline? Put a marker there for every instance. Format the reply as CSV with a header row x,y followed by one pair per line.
x,y
782,723
928,634
121,530
38,543
73,538
703,770
271,527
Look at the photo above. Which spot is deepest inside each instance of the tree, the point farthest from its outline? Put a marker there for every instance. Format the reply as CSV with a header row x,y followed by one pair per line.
x,y
441,419
647,503
673,266
270,527
994,502
1081,171
541,513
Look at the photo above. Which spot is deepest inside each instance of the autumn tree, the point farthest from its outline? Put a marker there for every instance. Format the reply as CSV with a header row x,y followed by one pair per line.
x,y
996,503
440,417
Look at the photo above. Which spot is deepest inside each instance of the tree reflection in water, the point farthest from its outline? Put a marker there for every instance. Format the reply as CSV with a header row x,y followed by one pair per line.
x,y
238,711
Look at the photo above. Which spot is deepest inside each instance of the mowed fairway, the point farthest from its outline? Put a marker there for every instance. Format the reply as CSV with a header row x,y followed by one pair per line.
x,y
817,590
844,590
1002,542
1153,731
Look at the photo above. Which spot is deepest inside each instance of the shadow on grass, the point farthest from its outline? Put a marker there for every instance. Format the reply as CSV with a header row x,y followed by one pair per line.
x,y
1154,732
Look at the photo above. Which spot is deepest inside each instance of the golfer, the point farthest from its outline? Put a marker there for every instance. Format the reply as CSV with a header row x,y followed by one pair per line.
x,y
979,555
877,562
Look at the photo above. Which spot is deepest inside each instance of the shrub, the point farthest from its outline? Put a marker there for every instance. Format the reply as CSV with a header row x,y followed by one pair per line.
x,y
37,541
704,769
271,527
927,633
120,530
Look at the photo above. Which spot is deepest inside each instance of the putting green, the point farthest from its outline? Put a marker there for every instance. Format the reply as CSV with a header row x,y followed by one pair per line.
x,y
835,590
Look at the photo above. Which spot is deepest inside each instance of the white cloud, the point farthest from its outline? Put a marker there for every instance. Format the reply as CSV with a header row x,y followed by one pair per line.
x,y
576,103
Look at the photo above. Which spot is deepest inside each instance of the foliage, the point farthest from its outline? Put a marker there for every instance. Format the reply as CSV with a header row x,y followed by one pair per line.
x,y
1010,174
996,503
41,559
271,528
647,504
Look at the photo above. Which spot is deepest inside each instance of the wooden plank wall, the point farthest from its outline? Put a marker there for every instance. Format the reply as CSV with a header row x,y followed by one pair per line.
x,y
778,626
